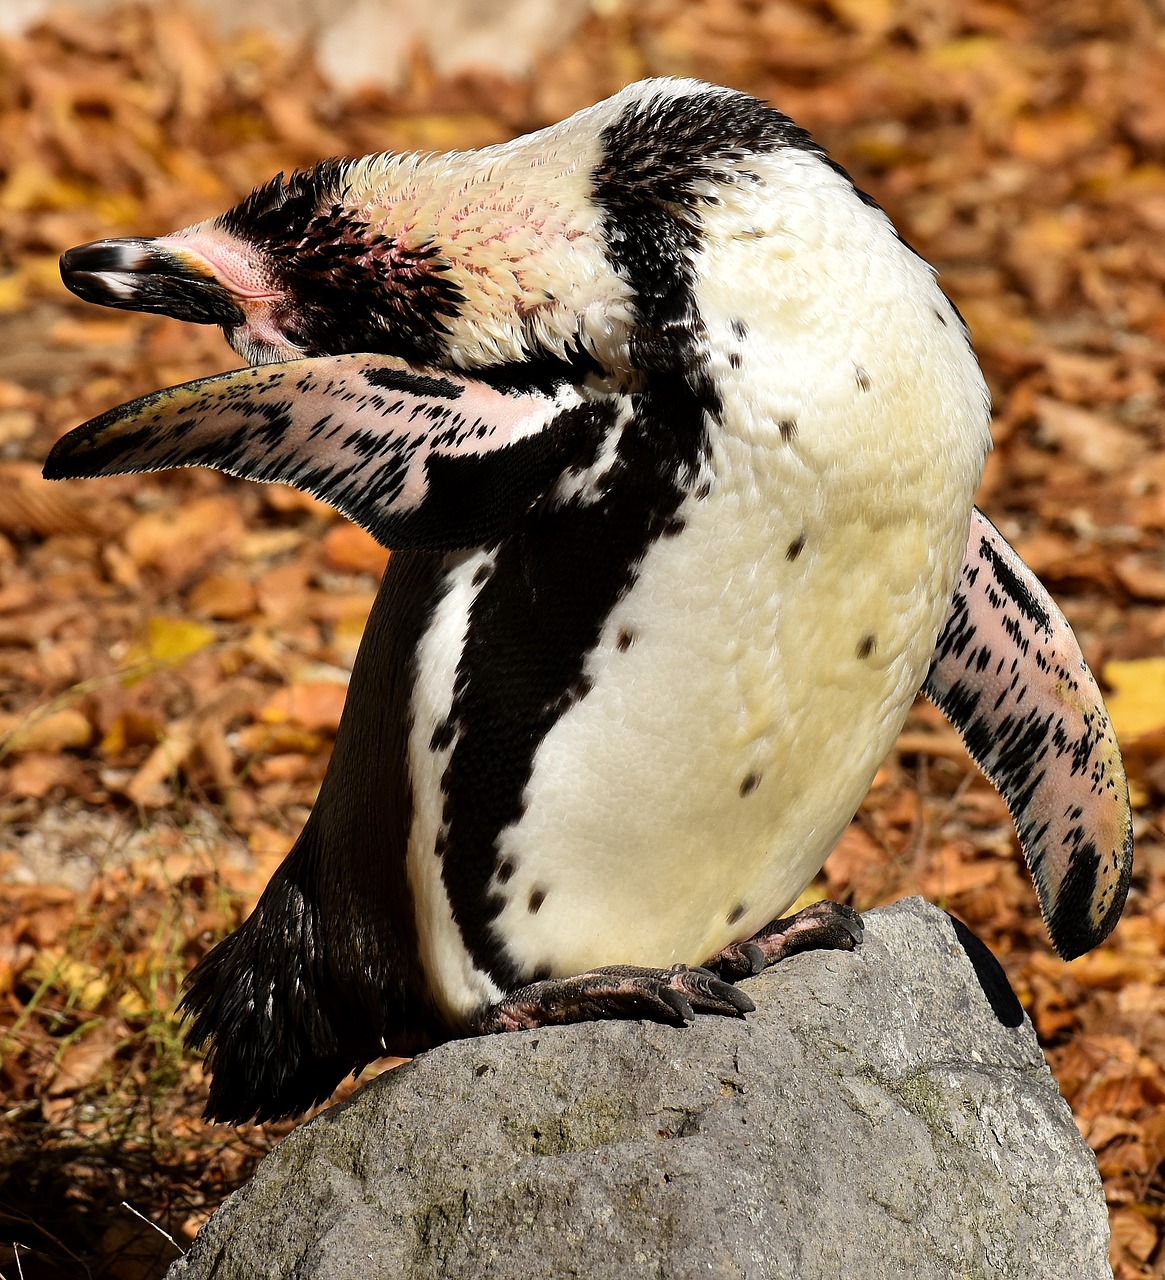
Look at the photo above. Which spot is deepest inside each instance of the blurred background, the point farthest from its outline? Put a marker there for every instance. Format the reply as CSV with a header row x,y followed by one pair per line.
x,y
174,649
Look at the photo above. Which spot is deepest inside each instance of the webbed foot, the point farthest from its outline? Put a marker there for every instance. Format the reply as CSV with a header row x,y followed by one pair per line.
x,y
673,995
824,926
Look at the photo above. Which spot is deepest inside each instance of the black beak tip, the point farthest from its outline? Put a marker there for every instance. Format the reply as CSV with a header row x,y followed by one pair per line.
x,y
88,286
105,255
145,275
98,272
56,465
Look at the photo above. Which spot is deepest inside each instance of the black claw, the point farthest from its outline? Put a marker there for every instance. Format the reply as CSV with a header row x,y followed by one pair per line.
x,y
717,996
678,1003
739,1002
847,930
755,957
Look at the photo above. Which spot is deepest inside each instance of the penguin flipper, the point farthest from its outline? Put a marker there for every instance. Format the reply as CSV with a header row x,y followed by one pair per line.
x,y
673,995
422,459
1009,675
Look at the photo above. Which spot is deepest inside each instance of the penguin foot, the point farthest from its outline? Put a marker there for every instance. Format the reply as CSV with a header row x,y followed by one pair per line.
x,y
824,926
673,995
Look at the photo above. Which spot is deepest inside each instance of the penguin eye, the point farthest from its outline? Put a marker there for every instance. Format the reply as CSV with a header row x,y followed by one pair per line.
x,y
296,337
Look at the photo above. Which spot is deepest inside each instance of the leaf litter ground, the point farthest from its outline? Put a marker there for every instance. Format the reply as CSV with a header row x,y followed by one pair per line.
x,y
174,649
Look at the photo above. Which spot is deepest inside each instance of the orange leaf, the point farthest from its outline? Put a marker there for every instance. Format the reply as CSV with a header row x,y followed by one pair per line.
x,y
348,547
314,704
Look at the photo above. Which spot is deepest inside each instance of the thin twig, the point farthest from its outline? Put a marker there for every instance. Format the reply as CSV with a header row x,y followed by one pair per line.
x,y
125,1204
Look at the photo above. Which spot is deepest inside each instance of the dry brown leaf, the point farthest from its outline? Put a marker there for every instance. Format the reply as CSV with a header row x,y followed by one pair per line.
x,y
42,506
36,774
1091,437
281,497
273,739
1143,580
1132,1235
951,874
313,704
282,592
86,1058
151,784
62,730
1105,1128
178,541
129,729
226,595
348,547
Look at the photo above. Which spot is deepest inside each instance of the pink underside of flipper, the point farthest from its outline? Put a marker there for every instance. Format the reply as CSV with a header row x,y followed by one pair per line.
x,y
1009,675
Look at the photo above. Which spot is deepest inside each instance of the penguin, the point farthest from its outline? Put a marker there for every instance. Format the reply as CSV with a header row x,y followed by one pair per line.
x,y
675,442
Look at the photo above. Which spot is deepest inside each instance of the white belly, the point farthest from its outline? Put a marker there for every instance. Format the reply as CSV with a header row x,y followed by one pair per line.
x,y
694,792
748,686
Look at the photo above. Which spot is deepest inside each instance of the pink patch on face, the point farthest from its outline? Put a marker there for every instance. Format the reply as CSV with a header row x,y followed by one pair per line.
x,y
227,260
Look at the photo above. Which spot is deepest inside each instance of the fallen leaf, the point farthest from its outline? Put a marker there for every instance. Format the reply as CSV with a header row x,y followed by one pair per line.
x,y
282,497
86,1057
150,787
36,774
129,729
1142,580
274,738
1132,1234
172,639
177,541
43,506
314,704
282,591
226,595
58,731
1137,705
1092,437
346,546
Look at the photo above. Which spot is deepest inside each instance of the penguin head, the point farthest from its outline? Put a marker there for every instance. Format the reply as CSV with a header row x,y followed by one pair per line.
x,y
464,260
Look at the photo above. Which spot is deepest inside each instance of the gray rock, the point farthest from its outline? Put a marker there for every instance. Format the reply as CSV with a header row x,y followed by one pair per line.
x,y
874,1118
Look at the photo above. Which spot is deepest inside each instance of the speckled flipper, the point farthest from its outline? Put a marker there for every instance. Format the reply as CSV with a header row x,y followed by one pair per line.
x,y
423,459
1008,674
673,995
822,926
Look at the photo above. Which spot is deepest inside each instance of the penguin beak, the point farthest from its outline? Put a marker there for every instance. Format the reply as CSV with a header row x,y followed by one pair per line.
x,y
160,275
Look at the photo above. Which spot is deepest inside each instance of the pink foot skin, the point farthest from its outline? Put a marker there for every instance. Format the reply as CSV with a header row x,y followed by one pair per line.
x,y
825,926
673,995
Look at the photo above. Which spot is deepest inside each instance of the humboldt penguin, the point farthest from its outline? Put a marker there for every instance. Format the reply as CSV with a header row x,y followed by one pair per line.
x,y
675,442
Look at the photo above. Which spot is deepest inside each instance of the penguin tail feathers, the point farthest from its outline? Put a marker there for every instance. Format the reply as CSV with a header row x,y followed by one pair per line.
x,y
281,1019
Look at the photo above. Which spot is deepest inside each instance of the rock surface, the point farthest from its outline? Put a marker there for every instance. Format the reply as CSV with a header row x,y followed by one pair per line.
x,y
886,1113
